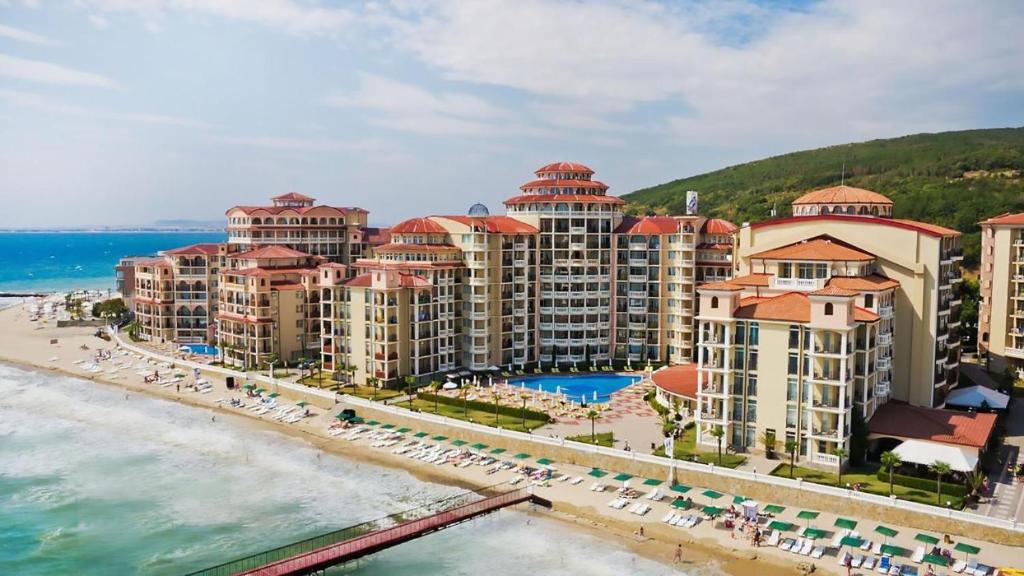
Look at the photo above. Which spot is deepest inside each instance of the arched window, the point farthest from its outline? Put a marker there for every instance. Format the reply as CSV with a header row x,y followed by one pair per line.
x,y
714,301
863,211
256,222
851,210
874,210
828,309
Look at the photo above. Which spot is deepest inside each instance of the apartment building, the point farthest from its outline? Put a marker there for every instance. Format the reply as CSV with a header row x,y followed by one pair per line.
x,y
174,295
817,325
1001,311
269,307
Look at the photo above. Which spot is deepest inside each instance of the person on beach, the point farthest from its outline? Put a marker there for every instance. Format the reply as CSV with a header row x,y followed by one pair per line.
x,y
678,556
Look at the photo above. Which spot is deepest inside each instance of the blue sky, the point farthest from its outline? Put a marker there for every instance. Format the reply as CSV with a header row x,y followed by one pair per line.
x,y
127,111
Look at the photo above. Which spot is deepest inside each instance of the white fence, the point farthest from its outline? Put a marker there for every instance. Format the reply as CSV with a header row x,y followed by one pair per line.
x,y
668,463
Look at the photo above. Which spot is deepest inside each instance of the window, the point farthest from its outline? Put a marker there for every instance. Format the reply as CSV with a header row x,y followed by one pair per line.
x,y
821,270
794,337
869,300
786,270
751,410
828,308
792,387
753,333
741,333
794,363
714,301
805,270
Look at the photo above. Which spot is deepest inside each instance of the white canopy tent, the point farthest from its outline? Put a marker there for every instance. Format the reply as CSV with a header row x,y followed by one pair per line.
x,y
975,396
959,458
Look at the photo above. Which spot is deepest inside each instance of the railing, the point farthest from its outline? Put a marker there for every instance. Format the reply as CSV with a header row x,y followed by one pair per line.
x,y
621,455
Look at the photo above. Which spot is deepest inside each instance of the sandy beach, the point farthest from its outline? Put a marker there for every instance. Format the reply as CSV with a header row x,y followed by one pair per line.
x,y
61,349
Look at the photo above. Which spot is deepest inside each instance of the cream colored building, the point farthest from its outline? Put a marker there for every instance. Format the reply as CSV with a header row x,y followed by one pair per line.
x,y
175,294
1001,310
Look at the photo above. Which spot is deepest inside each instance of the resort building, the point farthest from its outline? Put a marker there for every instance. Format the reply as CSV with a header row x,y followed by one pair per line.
x,y
124,277
1001,311
175,294
831,323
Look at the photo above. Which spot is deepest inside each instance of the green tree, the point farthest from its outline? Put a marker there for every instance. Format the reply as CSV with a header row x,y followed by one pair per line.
x,y
435,388
840,453
791,447
717,432
769,441
497,402
272,360
352,369
410,381
975,481
890,461
593,415
371,381
940,469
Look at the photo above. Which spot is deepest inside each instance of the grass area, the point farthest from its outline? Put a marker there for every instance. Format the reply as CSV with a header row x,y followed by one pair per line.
x,y
323,380
478,416
870,483
686,449
606,439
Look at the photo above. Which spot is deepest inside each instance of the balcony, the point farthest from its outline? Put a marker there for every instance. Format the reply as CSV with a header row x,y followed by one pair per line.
x,y
885,339
638,278
797,283
885,311
638,246
825,459
882,388
639,262
884,363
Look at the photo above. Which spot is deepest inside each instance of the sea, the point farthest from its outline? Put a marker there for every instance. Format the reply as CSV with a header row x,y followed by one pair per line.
x,y
60,261
97,481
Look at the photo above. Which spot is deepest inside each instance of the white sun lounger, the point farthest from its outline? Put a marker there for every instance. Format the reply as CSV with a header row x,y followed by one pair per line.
x,y
866,545
818,552
787,544
773,540
667,517
857,561
869,563
634,508
918,555
692,521
959,566
841,560
576,480
805,550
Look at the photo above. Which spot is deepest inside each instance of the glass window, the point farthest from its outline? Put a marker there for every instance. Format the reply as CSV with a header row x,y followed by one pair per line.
x,y
806,270
738,359
869,300
752,360
741,330
786,270
737,409
821,270
794,363
751,410
794,337
792,385
753,333
791,417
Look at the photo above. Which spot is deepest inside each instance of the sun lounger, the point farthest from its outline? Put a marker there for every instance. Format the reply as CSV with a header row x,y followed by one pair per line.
x,y
895,570
805,550
692,521
959,566
787,544
668,516
866,545
869,563
818,552
634,508
842,558
884,563
773,540
877,549
918,555
576,480
857,561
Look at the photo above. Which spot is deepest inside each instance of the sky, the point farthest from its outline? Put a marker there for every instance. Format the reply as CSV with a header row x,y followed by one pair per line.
x,y
124,112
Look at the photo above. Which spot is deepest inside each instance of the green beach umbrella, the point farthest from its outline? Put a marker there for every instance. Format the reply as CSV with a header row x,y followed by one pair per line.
x,y
521,456
387,426
404,430
814,533
935,559
342,416
545,461
739,499
845,523
966,548
622,477
274,395
711,510
892,550
774,509
259,391
851,541
372,422
652,482
249,386
420,434
302,404
356,420
498,451
926,539
780,525
712,494
807,515
478,446
681,488
440,438
886,531
597,473
459,442
680,503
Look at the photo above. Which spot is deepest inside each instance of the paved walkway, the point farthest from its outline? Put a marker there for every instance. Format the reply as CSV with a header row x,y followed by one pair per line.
x,y
631,418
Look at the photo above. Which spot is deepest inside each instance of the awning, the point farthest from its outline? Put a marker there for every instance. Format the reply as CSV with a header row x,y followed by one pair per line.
x,y
959,458
978,397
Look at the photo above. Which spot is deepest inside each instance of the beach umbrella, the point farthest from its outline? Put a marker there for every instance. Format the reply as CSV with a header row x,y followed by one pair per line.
x,y
774,509
458,443
597,473
892,550
851,541
652,482
302,404
739,499
807,515
711,510
814,533
403,430
478,446
935,559
372,422
780,525
680,503
259,391
274,395
712,494
966,548
545,461
681,488
498,451
926,539
622,477
249,386
420,434
521,456
886,531
845,523
387,427
439,438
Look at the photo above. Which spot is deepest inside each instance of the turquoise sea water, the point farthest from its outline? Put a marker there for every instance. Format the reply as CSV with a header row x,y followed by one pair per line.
x,y
94,482
49,261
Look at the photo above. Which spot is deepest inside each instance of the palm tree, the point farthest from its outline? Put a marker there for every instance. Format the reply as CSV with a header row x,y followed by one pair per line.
x,y
410,381
890,460
718,432
791,447
840,453
352,369
301,362
770,443
940,469
371,381
434,387
496,403
593,415
465,403
975,481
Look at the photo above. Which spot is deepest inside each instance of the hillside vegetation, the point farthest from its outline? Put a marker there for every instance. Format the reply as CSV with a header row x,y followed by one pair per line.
x,y
953,178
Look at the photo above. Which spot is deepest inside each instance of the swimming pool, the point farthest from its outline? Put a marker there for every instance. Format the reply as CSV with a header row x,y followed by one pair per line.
x,y
578,386
204,349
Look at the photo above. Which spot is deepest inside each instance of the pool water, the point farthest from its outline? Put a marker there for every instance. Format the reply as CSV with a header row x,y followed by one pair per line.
x,y
578,386
204,349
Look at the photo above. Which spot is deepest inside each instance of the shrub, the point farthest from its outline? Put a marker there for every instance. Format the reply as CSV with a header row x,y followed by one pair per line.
x,y
503,409
949,487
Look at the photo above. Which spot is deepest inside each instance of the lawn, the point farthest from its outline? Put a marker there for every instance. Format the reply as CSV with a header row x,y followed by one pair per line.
x,y
606,439
323,380
478,416
686,449
869,483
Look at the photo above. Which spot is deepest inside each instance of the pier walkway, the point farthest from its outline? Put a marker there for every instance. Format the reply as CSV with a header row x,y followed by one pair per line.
x,y
321,552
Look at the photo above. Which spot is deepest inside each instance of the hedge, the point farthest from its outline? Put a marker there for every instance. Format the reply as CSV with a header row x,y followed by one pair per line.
x,y
485,406
949,487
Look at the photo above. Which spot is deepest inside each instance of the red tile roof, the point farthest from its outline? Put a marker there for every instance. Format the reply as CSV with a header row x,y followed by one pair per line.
x,y
418,226
864,315
648,225
592,198
937,425
293,196
495,224
153,262
680,380
269,271
563,167
870,283
752,280
270,252
727,285
205,249
377,236
548,183
922,227
790,307
822,248
1006,219
718,226
842,195
835,291
416,248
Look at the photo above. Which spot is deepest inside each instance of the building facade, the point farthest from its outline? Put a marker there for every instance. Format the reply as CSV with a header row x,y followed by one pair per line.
x,y
174,295
1001,310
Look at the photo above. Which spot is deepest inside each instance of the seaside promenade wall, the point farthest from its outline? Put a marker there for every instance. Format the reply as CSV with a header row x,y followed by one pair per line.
x,y
756,486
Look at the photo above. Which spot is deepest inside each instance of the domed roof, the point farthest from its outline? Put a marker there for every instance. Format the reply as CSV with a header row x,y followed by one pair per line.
x,y
478,209
564,167
842,195
717,226
418,226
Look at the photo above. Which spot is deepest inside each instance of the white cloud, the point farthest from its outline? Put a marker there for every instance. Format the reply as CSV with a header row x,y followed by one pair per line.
x,y
24,36
48,73
294,17
99,22
41,103
733,72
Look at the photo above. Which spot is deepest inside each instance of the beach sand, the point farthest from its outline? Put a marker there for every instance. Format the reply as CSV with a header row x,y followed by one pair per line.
x,y
30,344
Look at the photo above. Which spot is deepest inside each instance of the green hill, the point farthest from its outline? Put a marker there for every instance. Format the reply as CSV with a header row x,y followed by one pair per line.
x,y
953,178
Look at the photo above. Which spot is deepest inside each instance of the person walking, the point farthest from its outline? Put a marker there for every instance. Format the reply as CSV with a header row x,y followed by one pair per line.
x,y
678,556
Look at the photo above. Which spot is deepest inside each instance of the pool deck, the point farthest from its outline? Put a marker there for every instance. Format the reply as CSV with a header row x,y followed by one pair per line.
x,y
633,420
